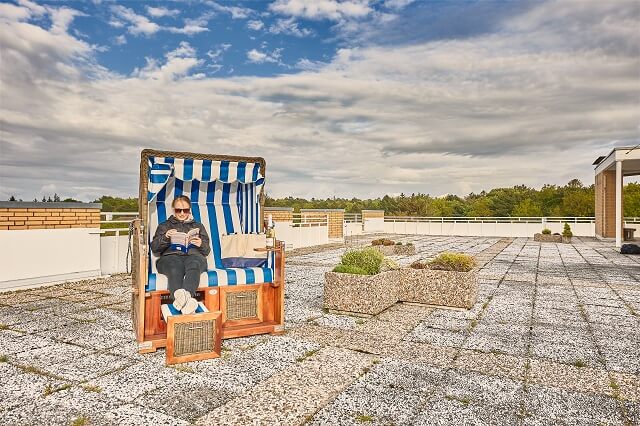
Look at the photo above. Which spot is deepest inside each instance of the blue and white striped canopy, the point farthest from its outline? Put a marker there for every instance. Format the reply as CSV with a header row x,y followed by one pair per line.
x,y
187,169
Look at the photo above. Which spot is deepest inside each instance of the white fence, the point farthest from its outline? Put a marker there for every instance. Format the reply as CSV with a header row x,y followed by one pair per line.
x,y
353,224
303,231
487,226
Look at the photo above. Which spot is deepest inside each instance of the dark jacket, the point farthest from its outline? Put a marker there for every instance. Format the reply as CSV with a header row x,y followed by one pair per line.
x,y
161,245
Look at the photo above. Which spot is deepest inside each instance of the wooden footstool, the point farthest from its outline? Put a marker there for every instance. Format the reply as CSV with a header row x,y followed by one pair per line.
x,y
192,337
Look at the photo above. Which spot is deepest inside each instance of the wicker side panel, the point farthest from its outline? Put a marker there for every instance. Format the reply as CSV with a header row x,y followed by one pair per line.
x,y
194,337
242,305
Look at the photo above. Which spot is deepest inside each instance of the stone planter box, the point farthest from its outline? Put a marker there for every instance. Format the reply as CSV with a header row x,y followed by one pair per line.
x,y
394,250
360,294
546,238
441,288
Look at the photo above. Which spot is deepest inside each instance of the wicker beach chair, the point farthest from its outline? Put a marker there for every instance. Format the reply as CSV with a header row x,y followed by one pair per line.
x,y
227,196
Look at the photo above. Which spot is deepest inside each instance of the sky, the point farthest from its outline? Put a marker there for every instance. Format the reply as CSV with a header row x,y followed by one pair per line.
x,y
354,98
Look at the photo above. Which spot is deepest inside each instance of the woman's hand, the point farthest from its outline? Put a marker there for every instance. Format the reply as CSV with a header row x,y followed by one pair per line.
x,y
170,232
196,241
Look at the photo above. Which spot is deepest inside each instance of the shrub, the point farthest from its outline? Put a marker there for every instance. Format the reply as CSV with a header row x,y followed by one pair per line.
x,y
349,269
453,262
376,242
399,243
386,242
566,232
546,231
419,265
368,259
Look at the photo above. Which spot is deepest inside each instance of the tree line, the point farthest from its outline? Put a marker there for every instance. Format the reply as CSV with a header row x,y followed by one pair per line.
x,y
572,199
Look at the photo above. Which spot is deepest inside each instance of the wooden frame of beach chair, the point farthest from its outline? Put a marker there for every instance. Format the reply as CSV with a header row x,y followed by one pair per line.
x,y
266,317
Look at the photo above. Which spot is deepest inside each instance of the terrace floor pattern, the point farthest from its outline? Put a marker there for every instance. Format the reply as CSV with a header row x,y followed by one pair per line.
x,y
553,339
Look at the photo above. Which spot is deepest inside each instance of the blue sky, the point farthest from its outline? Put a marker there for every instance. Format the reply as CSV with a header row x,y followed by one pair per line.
x,y
342,97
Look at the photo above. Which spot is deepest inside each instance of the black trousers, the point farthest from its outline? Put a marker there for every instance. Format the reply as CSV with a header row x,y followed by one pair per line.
x,y
182,271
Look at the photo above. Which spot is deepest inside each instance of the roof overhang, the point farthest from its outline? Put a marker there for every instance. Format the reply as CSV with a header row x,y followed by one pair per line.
x,y
628,156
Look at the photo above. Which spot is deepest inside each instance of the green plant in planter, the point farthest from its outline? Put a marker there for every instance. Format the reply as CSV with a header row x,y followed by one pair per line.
x,y
388,265
566,232
546,231
367,259
349,269
448,261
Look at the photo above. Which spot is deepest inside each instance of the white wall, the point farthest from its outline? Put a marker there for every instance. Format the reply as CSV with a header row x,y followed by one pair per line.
x,y
353,228
113,254
302,236
37,256
486,229
375,224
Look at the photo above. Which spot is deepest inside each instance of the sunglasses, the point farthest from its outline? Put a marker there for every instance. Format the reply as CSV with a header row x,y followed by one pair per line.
x,y
182,210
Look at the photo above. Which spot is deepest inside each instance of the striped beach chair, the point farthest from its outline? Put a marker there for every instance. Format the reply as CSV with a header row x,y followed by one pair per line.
x,y
227,198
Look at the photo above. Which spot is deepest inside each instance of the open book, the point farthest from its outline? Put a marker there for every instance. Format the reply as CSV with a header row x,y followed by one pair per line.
x,y
182,242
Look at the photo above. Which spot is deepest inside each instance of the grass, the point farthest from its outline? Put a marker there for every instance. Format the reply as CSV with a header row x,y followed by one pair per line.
x,y
364,418
79,421
461,399
92,388
360,321
183,368
4,327
579,363
48,390
306,355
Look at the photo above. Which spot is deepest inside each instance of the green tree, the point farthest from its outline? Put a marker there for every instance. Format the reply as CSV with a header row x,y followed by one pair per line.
x,y
527,207
632,200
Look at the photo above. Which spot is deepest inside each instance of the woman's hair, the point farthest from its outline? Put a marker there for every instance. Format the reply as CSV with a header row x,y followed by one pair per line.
x,y
180,198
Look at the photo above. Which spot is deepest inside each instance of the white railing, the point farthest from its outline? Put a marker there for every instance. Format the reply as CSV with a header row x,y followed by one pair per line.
x,y
353,218
486,226
115,241
491,219
306,220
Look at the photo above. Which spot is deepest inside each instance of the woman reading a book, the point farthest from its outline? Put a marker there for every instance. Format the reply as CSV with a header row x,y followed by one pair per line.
x,y
183,246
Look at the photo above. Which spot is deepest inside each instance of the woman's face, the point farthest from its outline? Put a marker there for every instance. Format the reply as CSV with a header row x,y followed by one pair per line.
x,y
182,210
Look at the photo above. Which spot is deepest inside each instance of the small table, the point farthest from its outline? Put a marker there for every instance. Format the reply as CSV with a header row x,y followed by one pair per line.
x,y
628,234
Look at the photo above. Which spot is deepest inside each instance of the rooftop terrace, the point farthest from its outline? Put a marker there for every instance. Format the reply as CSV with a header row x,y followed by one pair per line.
x,y
554,337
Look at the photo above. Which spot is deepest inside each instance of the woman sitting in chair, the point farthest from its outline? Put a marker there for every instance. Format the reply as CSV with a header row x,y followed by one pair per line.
x,y
182,257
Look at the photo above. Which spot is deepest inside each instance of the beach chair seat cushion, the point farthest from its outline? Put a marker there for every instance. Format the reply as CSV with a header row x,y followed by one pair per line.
x,y
218,277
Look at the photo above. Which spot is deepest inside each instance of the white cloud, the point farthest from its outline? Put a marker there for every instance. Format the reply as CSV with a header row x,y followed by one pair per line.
x,y
179,63
216,54
308,65
397,4
236,12
257,57
159,12
255,25
120,40
448,116
289,27
322,9
139,24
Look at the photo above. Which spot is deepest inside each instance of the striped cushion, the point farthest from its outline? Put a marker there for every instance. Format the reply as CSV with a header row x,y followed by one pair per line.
x,y
218,277
168,310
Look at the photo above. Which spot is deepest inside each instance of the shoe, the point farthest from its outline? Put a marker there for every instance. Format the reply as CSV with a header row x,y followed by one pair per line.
x,y
190,307
180,298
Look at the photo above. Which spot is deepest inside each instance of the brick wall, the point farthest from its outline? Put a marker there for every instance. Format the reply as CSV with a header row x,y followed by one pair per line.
x,y
372,214
20,216
278,214
336,219
605,194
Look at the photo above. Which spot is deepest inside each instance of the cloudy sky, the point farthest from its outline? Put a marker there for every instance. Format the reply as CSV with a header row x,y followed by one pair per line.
x,y
343,98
